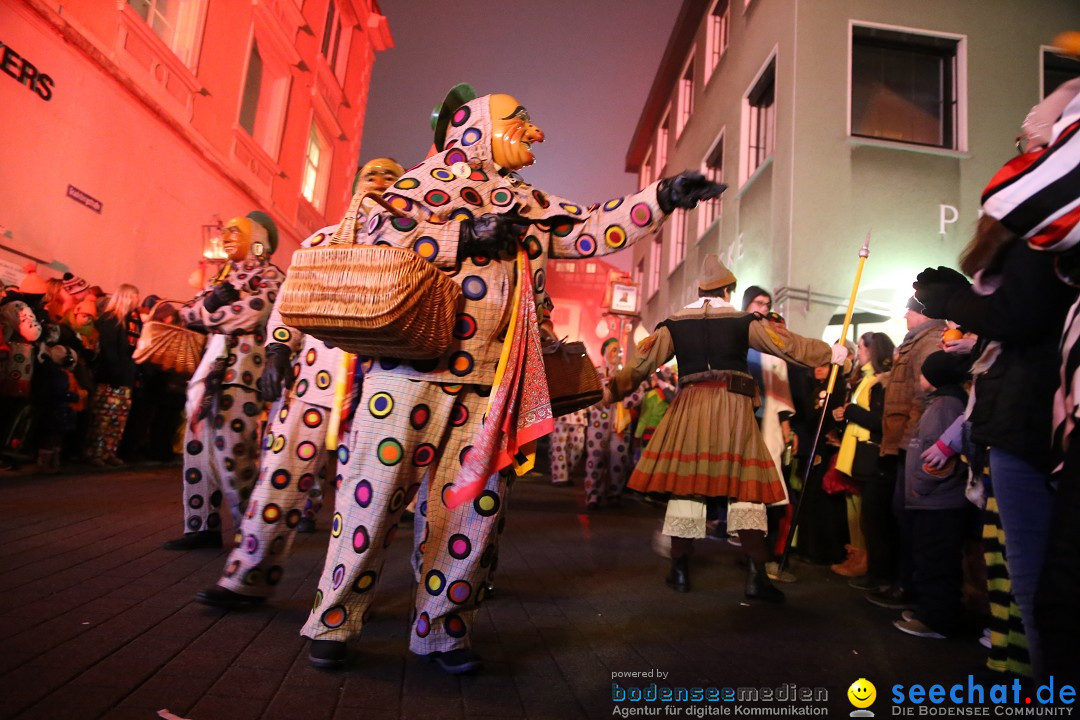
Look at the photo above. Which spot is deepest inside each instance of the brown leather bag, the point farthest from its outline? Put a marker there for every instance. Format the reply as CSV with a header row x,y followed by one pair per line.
x,y
572,380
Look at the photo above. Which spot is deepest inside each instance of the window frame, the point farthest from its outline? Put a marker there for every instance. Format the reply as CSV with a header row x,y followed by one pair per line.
x,y
338,18
959,85
1044,52
679,224
656,264
713,56
746,171
193,25
715,206
321,184
663,139
684,102
277,105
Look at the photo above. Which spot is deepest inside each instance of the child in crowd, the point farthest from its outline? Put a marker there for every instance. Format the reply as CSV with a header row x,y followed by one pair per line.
x,y
939,510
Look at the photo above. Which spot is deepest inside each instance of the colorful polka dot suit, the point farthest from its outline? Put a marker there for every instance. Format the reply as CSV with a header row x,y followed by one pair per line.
x,y
420,416
293,461
567,445
607,464
221,456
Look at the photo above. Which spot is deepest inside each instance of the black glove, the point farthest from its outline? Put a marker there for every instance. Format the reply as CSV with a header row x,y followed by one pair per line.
x,y
935,288
278,372
686,190
491,235
221,295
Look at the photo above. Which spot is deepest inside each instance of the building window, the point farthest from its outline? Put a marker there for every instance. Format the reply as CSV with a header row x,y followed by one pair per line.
x,y
717,36
646,171
262,105
677,223
712,167
335,42
316,168
1056,70
686,96
760,126
656,257
904,87
662,144
175,22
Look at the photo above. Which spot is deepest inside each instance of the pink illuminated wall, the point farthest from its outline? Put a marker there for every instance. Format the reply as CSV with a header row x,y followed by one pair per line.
x,y
141,142
578,289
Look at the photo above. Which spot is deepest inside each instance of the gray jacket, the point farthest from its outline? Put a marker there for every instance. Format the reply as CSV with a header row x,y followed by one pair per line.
x,y
922,490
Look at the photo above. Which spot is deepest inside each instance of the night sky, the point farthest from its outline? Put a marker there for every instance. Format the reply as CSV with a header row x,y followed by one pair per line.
x,y
583,68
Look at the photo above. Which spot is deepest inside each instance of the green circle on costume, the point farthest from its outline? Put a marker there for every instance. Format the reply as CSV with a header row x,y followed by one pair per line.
x,y
390,452
381,405
282,334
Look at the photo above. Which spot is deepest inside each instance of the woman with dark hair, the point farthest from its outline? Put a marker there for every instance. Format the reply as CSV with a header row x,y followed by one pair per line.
x,y
871,552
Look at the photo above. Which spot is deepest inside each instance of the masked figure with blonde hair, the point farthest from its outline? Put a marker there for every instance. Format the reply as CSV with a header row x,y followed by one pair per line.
x,y
118,330
221,443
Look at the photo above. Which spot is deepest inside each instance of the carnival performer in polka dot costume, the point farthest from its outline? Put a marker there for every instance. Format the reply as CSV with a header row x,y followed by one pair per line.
x,y
567,446
288,493
607,437
463,210
221,442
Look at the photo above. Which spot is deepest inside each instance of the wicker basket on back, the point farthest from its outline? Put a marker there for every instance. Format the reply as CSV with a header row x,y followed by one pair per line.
x,y
370,299
170,347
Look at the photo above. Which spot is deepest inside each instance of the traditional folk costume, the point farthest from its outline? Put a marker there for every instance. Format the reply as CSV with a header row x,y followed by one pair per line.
x,y
221,443
20,329
423,416
708,445
567,445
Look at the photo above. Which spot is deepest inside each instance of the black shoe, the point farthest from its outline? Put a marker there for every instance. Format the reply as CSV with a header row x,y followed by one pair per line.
x,y
758,585
328,654
868,584
218,596
895,598
306,526
457,662
679,577
195,541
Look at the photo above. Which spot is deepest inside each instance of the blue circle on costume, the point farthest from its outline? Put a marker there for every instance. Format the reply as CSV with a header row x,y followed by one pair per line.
x,y
423,625
612,204
442,174
570,208
434,582
470,136
342,454
585,245
474,287
426,248
539,280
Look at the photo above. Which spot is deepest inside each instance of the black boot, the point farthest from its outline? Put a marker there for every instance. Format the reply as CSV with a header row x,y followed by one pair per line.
x,y
679,577
758,585
195,540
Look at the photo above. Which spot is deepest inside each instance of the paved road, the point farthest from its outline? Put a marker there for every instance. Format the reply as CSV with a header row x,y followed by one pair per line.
x,y
97,621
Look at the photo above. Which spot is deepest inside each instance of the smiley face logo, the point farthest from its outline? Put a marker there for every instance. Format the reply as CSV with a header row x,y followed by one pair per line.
x,y
862,693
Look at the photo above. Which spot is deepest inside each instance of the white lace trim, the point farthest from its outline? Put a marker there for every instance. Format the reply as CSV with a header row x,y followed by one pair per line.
x,y
746,516
685,519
